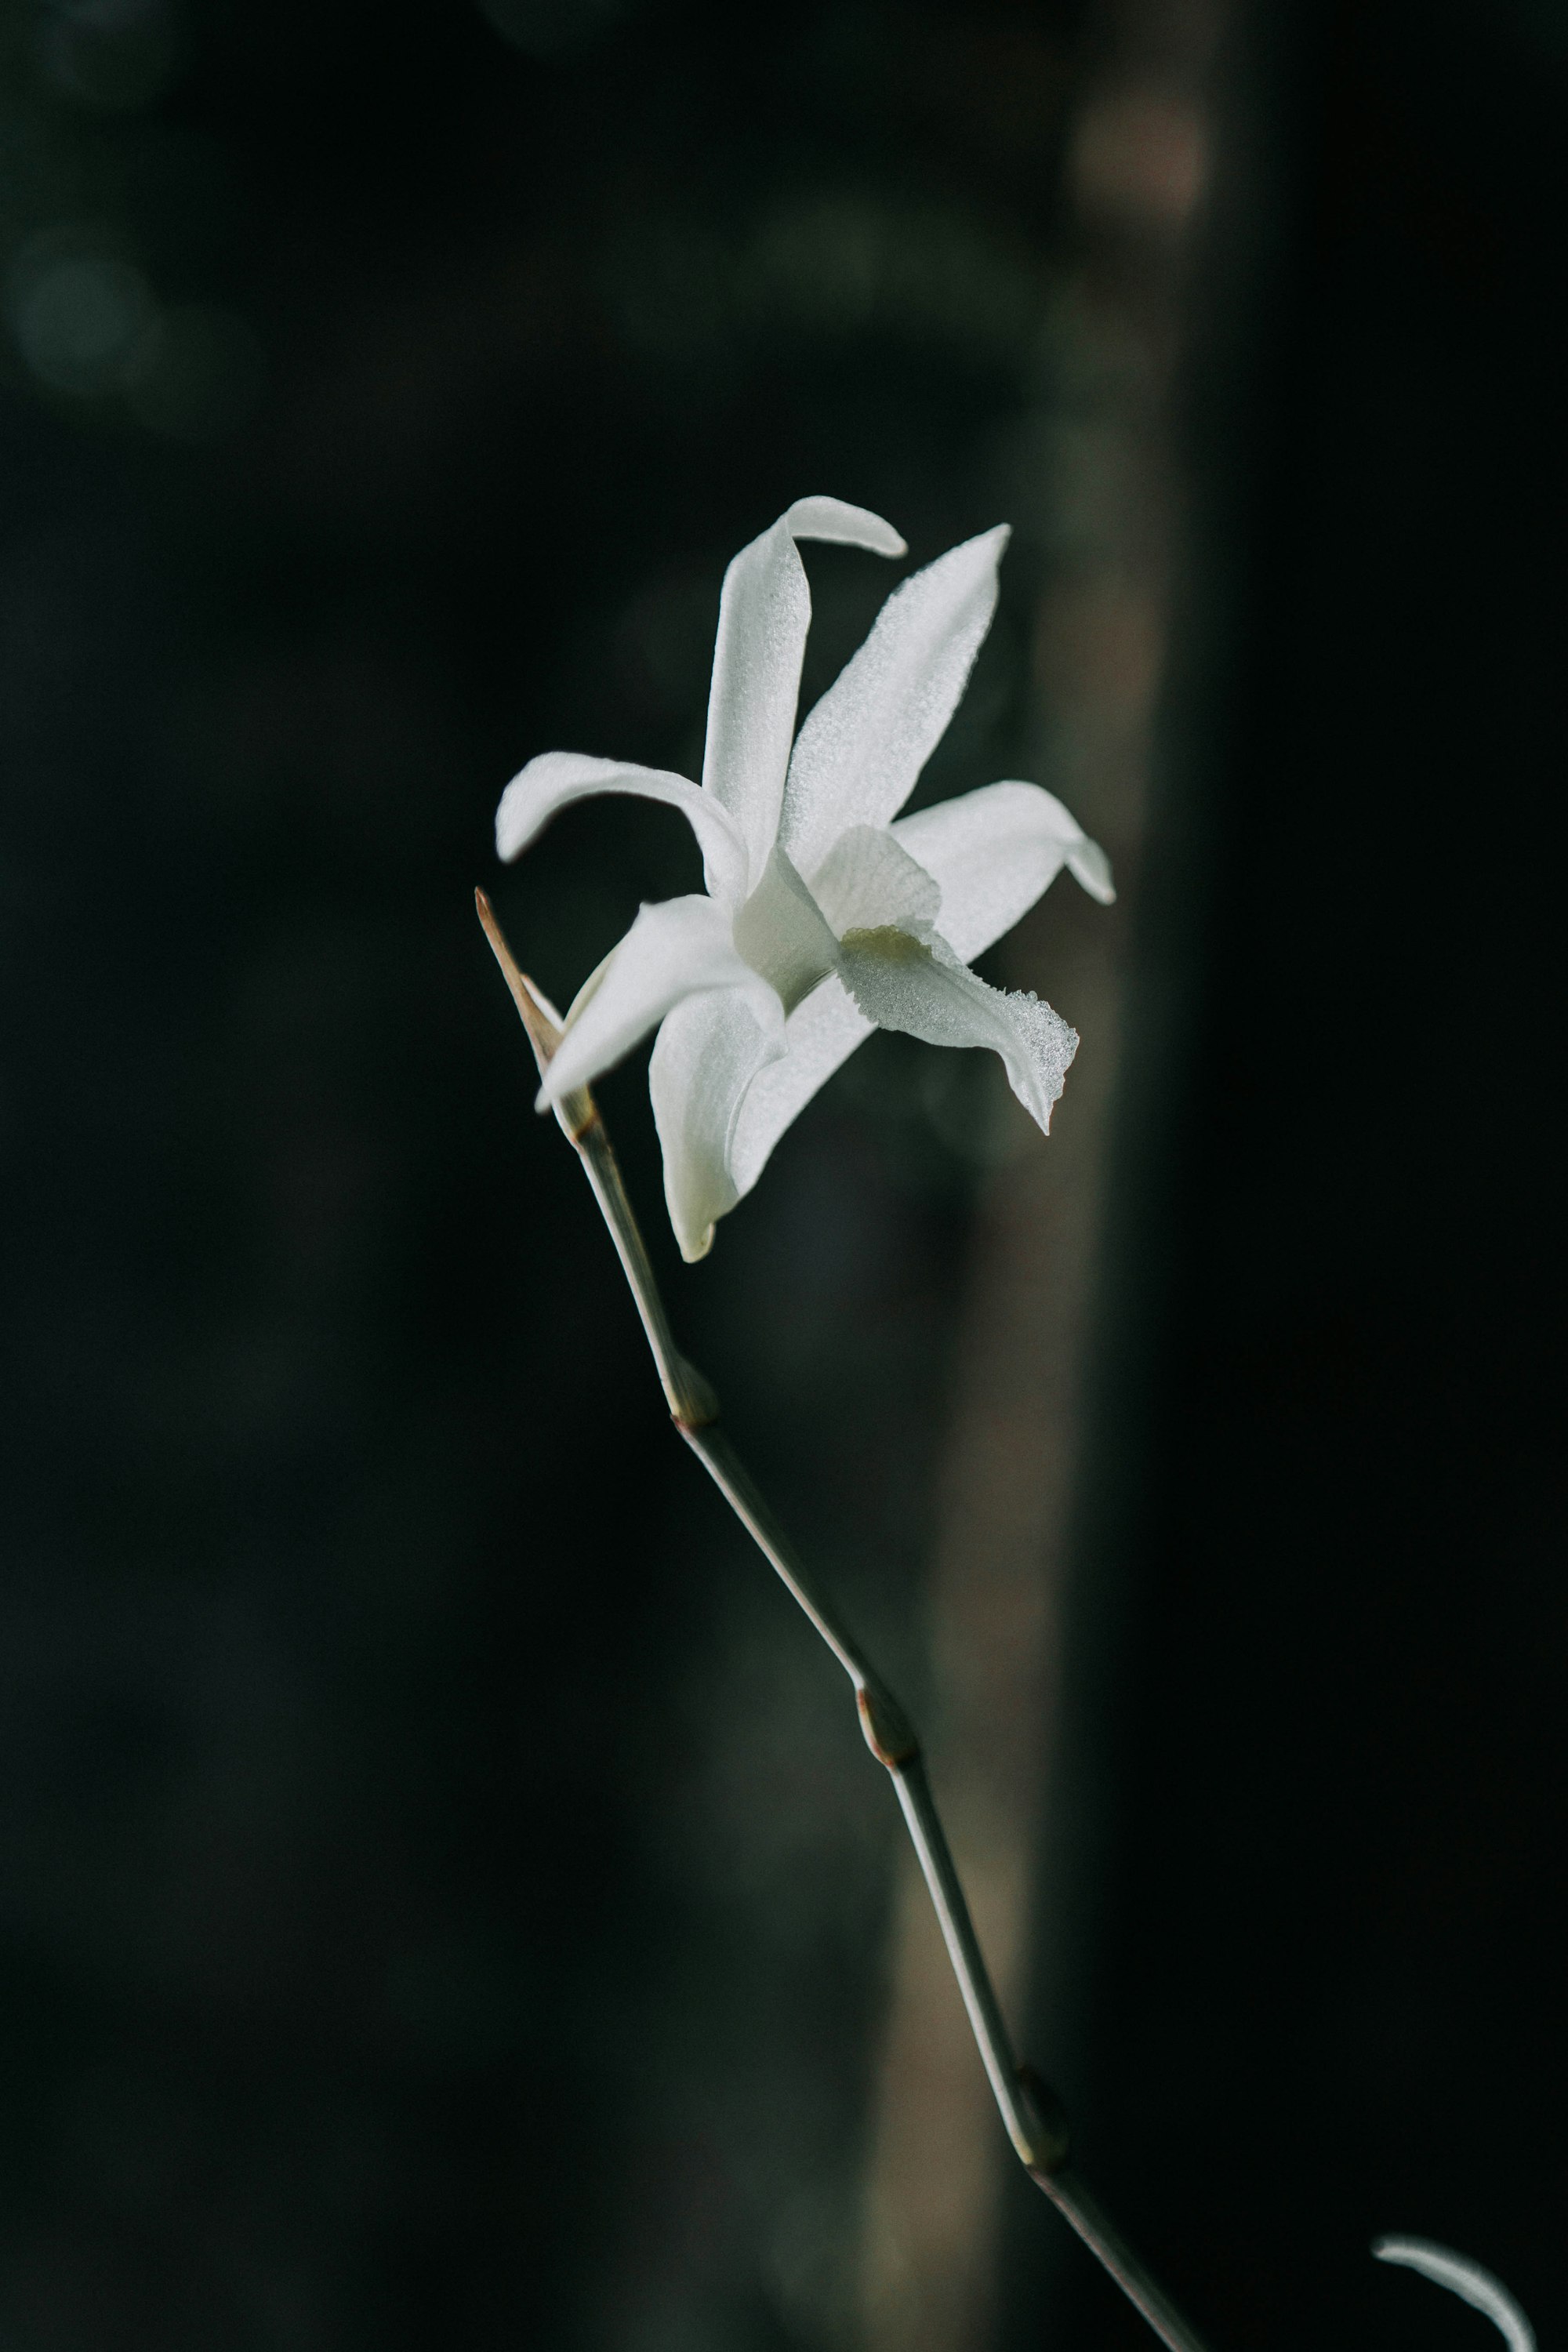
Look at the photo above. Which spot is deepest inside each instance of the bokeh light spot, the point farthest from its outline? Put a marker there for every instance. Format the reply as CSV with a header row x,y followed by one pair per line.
x,y
115,54
77,317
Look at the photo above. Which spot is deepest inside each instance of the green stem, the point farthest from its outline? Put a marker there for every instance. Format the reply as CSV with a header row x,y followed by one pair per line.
x,y
1031,2112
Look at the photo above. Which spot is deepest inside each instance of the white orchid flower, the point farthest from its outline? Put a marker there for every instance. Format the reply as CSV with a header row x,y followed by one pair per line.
x,y
824,918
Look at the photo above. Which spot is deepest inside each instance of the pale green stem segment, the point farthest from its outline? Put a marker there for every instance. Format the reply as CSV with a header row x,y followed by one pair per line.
x,y
1032,2115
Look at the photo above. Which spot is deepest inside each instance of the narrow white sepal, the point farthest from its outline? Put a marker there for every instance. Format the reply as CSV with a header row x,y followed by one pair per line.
x,y
764,612
831,520
556,778
994,852
705,1057
673,950
819,1037
862,748
1464,2278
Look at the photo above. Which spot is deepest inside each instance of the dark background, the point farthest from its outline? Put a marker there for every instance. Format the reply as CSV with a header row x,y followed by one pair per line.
x,y
1332,1994
439,1885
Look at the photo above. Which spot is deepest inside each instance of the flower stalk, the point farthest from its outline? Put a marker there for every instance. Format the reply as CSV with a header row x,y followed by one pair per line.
x,y
1031,2112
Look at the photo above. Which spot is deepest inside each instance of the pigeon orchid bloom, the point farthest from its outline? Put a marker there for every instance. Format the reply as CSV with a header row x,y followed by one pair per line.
x,y
826,914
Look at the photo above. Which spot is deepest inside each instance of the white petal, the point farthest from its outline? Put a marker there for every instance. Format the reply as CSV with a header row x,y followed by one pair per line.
x,y
671,951
706,1054
821,1035
863,746
781,932
994,852
1467,2279
764,612
847,525
549,783
868,879
900,983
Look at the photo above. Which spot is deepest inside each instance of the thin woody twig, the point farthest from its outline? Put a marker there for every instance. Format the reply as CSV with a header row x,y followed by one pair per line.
x,y
1032,2114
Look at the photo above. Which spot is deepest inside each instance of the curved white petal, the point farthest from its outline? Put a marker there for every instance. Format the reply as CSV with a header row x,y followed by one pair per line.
x,y
900,983
556,778
868,879
671,951
846,525
818,1036
863,746
1466,2278
764,612
994,852
706,1054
